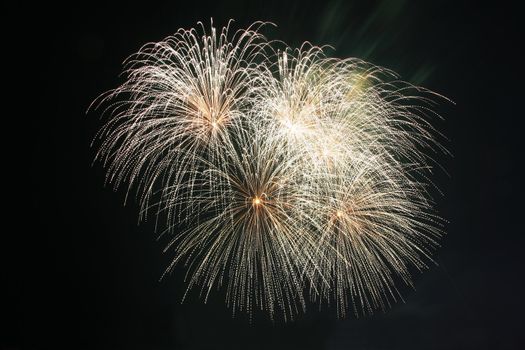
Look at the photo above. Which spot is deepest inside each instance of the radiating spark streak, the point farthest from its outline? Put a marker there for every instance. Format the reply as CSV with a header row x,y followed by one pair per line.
x,y
307,175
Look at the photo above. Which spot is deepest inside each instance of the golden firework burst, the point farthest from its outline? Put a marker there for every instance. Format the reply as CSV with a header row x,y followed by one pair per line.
x,y
307,174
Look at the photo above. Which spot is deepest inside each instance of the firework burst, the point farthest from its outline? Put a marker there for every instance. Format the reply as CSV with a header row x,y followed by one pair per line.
x,y
279,171
175,108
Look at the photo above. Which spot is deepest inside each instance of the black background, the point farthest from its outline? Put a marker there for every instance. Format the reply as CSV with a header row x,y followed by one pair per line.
x,y
84,275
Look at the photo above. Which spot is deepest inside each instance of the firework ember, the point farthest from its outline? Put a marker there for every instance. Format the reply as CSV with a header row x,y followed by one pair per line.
x,y
282,175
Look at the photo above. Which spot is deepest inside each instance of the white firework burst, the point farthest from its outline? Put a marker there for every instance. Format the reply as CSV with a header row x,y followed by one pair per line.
x,y
307,174
175,108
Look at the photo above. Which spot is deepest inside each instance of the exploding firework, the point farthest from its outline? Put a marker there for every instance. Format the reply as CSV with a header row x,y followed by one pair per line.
x,y
175,108
281,172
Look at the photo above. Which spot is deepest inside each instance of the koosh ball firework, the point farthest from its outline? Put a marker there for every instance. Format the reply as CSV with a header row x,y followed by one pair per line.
x,y
281,175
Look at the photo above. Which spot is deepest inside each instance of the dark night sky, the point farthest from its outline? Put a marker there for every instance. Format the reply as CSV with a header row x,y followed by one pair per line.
x,y
85,276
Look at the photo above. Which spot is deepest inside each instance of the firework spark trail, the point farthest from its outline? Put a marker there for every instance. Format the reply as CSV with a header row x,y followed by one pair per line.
x,y
175,107
361,140
370,234
254,237
281,170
